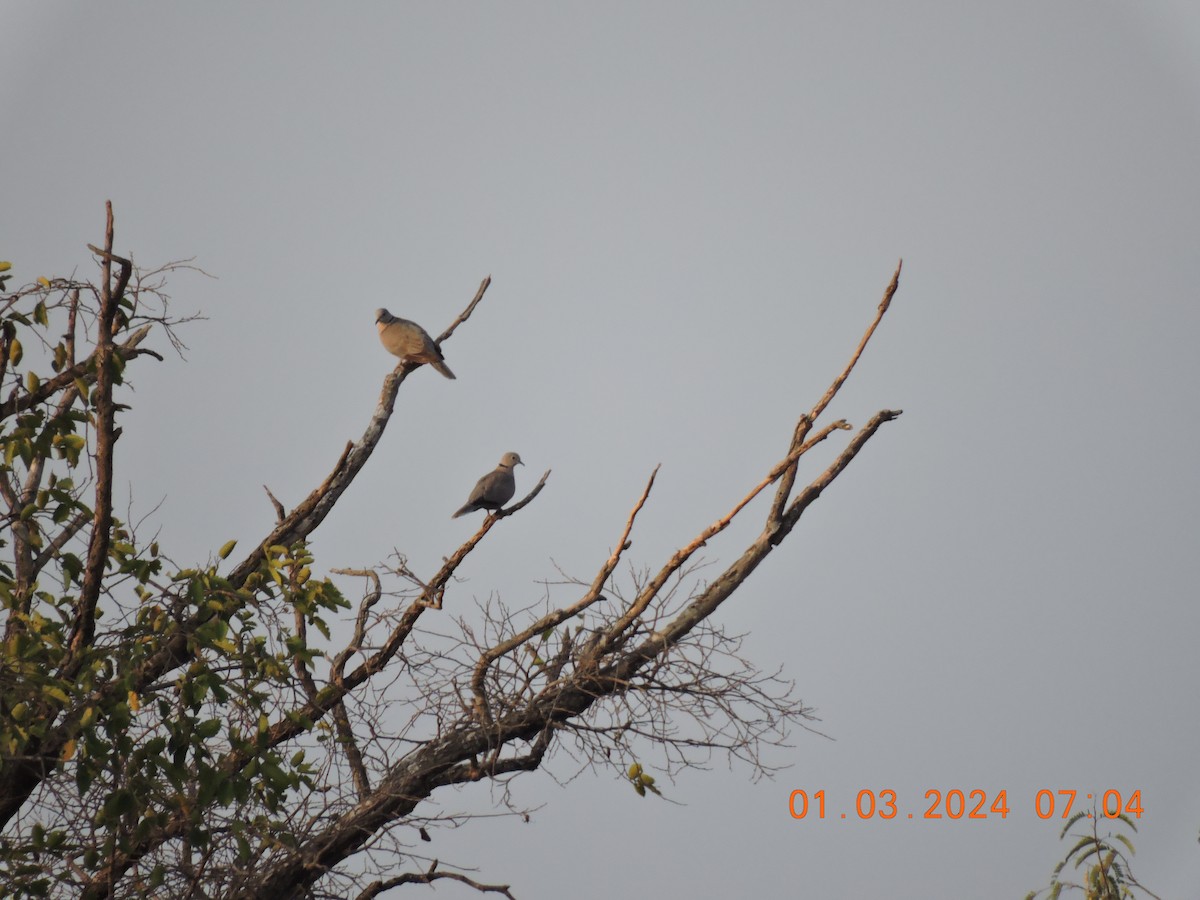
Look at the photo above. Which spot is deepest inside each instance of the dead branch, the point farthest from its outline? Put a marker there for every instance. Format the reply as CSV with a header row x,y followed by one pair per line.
x,y
603,643
378,887
432,593
558,616
806,422
280,512
815,412
305,518
720,589
525,501
466,313
84,625
360,624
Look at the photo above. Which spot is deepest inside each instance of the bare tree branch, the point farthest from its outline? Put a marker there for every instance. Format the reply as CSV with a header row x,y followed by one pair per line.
x,y
428,877
280,512
89,594
604,668
806,422
305,518
557,617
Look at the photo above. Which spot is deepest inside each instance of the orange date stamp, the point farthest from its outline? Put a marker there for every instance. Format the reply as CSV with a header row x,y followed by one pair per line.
x,y
960,804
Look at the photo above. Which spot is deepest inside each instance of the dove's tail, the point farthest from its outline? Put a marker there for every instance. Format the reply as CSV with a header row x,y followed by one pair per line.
x,y
441,367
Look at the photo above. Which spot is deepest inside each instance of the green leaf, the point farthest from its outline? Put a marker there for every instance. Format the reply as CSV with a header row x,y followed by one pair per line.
x,y
71,568
39,314
119,802
226,549
57,693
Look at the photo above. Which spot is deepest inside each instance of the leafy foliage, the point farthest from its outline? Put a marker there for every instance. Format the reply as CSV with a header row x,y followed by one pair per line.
x,y
131,758
1106,870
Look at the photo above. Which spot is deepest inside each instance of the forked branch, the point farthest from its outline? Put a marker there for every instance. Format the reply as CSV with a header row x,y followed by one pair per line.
x,y
806,422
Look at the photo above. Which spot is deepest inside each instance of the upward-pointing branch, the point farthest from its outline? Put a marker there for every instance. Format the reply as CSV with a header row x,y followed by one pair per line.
x,y
305,518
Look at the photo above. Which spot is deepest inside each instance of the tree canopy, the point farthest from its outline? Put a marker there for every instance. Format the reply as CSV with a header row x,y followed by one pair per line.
x,y
212,729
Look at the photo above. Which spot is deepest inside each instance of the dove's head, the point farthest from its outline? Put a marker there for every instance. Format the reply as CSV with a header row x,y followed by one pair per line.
x,y
382,315
508,460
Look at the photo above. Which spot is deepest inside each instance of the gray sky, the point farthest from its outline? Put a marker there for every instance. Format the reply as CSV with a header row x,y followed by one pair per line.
x,y
690,211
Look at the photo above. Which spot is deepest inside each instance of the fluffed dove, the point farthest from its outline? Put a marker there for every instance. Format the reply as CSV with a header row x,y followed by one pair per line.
x,y
409,341
495,488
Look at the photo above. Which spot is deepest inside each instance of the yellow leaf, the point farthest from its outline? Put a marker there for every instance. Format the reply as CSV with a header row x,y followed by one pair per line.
x,y
134,703
44,282
5,266
68,749
15,352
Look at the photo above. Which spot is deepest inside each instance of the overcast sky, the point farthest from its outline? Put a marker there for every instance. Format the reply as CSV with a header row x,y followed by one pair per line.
x,y
690,211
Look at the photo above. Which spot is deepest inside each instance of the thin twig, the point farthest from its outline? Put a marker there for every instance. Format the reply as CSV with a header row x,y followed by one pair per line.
x,y
280,512
888,293
360,624
429,877
558,616
466,313
526,500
